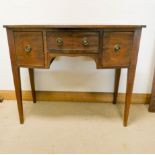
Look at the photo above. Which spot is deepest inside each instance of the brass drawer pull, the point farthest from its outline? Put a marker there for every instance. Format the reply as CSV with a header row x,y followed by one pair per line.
x,y
28,49
117,47
59,41
85,41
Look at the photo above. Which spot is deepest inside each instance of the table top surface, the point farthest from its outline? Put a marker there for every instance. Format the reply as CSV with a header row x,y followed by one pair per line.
x,y
74,26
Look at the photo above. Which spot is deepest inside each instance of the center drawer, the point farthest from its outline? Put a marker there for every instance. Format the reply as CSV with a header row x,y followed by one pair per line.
x,y
70,42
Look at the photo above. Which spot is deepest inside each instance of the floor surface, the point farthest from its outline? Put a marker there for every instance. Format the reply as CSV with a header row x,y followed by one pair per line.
x,y
62,127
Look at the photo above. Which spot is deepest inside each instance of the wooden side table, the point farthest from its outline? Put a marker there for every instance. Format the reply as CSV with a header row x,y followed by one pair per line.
x,y
111,46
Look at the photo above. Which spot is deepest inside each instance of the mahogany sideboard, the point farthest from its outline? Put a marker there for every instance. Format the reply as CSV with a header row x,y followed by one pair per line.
x,y
111,46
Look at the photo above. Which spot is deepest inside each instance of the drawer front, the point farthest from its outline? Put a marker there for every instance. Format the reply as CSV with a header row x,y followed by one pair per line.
x,y
116,48
70,42
29,48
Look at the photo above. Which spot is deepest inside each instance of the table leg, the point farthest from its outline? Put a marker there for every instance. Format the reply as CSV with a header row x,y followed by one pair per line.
x,y
129,89
31,75
116,85
17,83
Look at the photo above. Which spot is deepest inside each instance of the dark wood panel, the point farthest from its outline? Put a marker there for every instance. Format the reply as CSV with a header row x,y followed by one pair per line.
x,y
152,98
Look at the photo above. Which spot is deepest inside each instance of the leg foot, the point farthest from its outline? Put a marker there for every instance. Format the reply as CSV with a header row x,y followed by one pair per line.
x,y
17,83
130,82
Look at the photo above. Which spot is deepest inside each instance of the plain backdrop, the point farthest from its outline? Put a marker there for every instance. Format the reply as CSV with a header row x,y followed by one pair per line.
x,y
79,73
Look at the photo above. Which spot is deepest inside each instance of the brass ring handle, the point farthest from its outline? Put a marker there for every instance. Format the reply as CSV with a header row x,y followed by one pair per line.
x,y
117,47
85,41
59,41
28,49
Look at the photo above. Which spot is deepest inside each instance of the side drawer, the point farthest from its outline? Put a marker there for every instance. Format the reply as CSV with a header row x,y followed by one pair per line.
x,y
29,48
117,47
